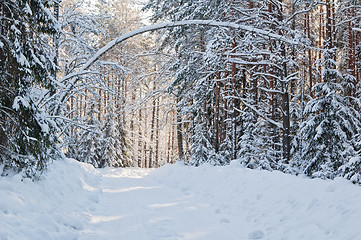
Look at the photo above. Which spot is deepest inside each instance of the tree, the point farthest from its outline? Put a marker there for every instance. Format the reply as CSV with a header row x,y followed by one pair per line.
x,y
90,141
113,143
28,139
329,129
90,129
332,121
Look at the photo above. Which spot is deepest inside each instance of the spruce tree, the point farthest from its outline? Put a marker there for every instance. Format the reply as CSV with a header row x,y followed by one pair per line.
x,y
89,142
113,151
27,135
331,125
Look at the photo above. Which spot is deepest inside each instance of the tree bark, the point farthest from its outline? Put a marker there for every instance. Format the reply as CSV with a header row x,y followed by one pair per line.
x,y
180,136
216,113
157,135
152,133
140,146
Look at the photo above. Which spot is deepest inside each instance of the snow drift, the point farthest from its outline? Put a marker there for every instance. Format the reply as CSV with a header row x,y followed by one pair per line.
x,y
56,207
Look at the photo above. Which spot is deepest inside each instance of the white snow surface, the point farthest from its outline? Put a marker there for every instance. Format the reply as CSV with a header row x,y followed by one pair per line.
x,y
76,201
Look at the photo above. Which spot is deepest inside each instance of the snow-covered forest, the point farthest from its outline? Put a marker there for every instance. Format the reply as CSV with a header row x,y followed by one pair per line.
x,y
270,87
272,84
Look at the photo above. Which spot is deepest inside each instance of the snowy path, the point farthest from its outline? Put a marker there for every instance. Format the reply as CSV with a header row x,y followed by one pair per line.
x,y
77,202
131,207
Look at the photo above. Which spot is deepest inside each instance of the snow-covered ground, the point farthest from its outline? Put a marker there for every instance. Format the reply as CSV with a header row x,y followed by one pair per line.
x,y
76,201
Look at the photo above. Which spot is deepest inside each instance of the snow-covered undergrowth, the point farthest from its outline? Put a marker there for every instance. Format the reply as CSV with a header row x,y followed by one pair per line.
x,y
76,201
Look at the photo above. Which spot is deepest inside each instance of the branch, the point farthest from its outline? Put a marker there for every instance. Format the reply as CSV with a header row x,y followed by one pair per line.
x,y
153,27
211,23
273,122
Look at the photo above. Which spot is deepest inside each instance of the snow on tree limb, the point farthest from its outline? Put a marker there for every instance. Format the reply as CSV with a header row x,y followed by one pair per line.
x,y
260,114
153,27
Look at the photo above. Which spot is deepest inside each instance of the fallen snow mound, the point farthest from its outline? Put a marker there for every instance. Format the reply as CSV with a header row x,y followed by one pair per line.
x,y
76,201
56,207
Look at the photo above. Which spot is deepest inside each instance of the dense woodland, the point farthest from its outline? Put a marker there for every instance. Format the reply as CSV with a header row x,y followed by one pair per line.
x,y
282,92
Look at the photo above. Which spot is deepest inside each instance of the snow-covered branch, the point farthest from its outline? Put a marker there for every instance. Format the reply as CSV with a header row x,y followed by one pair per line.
x,y
158,26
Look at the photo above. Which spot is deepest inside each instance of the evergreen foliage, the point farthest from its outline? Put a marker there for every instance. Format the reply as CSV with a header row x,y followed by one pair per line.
x,y
27,134
239,95
114,147
89,141
266,96
331,125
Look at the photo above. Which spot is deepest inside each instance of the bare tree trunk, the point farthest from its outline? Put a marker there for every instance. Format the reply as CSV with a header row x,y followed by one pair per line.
x,y
145,133
329,34
357,59
225,106
169,144
271,80
140,147
310,64
85,100
173,139
180,136
106,94
216,113
329,31
152,130
286,139
80,109
157,135
234,106
351,51
321,36
56,39
72,107
100,104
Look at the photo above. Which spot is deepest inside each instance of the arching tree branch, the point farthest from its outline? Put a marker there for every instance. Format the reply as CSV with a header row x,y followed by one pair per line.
x,y
211,23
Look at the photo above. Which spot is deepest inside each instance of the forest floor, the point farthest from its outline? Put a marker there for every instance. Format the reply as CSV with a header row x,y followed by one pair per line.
x,y
76,201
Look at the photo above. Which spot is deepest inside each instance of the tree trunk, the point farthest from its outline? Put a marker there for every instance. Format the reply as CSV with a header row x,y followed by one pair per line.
x,y
180,135
234,110
310,76
152,133
216,113
173,139
56,39
140,146
145,134
169,144
157,135
286,139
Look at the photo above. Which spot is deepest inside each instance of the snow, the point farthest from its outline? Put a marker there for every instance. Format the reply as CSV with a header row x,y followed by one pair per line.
x,y
76,201
18,100
158,26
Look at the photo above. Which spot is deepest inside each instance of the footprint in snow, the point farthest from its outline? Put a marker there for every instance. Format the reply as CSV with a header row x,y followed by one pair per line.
x,y
225,220
256,235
